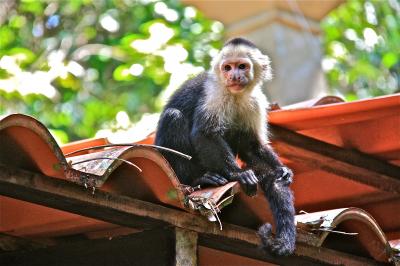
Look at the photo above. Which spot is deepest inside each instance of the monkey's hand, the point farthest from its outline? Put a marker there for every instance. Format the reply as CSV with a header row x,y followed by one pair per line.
x,y
248,181
210,179
284,176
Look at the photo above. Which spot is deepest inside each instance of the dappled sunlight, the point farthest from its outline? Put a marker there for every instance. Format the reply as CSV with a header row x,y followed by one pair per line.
x,y
159,35
135,132
362,43
38,82
88,68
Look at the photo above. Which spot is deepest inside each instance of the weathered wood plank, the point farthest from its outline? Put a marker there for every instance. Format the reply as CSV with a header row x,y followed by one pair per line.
x,y
185,247
351,164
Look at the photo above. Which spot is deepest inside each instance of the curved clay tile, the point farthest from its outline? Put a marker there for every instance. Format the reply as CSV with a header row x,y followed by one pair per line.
x,y
26,143
153,173
355,220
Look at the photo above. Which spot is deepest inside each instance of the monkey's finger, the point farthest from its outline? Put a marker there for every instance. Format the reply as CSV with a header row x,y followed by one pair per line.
x,y
220,180
211,180
253,178
244,184
251,186
252,190
216,178
205,182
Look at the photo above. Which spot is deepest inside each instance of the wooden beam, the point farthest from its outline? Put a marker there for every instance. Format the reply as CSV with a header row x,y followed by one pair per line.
x,y
351,164
153,247
185,247
117,209
125,211
11,243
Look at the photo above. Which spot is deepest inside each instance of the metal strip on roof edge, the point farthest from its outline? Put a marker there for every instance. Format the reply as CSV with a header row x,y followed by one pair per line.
x,y
326,221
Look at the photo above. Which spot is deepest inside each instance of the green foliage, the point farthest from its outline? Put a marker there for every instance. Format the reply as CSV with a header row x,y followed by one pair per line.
x,y
362,43
75,64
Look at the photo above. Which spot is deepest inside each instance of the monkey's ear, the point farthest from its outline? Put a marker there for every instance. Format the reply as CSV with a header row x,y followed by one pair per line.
x,y
215,63
265,64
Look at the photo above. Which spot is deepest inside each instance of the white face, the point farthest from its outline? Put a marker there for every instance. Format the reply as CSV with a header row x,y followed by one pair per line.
x,y
236,73
240,67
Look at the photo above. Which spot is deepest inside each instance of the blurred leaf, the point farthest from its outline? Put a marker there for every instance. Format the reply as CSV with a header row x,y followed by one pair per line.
x,y
60,136
24,55
389,59
6,36
351,97
17,21
121,73
32,6
368,63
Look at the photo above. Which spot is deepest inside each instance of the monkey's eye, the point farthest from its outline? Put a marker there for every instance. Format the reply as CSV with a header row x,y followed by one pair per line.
x,y
227,67
242,66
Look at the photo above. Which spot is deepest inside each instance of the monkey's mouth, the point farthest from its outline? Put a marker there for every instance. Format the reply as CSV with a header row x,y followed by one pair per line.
x,y
236,87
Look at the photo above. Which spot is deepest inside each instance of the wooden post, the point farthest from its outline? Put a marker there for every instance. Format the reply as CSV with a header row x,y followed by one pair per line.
x,y
185,247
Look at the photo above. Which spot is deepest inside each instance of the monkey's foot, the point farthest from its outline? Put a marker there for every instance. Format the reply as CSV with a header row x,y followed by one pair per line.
x,y
277,246
210,179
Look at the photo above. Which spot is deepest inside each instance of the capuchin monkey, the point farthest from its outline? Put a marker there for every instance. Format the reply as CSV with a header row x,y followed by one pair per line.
x,y
221,114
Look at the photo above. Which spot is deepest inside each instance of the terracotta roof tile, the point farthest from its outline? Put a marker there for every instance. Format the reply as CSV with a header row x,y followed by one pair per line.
x,y
370,126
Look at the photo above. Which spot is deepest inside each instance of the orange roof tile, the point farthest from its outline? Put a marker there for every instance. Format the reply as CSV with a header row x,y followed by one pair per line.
x,y
370,126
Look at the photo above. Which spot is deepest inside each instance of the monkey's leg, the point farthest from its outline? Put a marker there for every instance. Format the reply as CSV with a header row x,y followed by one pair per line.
x,y
275,179
173,132
216,156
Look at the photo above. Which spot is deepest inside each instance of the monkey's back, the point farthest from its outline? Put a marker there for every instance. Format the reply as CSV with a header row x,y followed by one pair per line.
x,y
186,98
175,126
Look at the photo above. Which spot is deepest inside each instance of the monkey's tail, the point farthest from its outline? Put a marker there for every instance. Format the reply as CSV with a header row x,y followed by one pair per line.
x,y
280,199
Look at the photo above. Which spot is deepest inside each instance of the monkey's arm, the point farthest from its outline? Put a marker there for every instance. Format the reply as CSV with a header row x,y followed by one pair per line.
x,y
216,156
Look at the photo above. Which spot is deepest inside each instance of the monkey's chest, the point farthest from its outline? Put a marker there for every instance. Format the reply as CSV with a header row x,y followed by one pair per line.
x,y
246,117
234,137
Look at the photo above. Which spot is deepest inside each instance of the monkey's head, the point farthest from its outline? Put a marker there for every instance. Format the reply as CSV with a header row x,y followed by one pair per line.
x,y
240,66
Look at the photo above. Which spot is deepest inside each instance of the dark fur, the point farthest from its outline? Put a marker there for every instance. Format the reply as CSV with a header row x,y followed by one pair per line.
x,y
240,41
183,126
